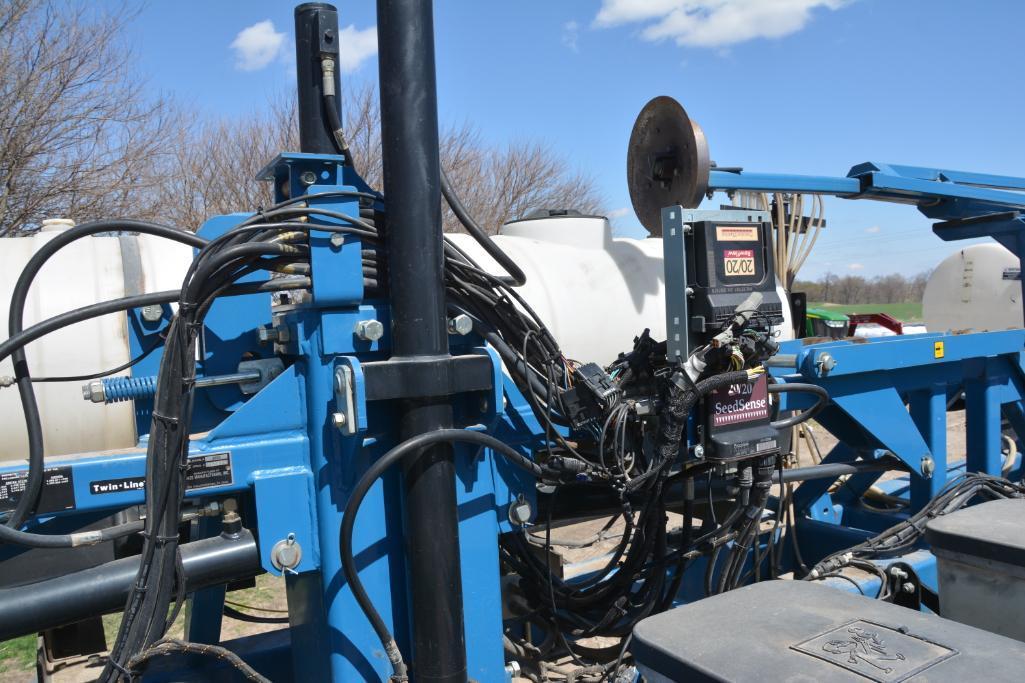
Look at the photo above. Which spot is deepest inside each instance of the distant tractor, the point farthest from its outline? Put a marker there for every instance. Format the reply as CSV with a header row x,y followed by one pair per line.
x,y
820,322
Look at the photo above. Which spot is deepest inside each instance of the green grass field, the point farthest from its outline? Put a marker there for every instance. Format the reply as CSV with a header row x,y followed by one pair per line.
x,y
907,312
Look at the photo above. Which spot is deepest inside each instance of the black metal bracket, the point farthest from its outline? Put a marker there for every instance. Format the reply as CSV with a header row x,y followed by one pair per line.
x,y
425,376
908,590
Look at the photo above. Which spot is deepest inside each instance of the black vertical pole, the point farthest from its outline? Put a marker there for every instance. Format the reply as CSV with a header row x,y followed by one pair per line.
x,y
316,37
412,188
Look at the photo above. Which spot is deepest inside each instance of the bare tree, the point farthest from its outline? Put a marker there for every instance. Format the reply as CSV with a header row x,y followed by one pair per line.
x,y
77,137
214,170
854,289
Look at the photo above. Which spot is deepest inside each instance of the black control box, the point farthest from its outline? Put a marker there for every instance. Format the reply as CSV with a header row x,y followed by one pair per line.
x,y
713,261
727,260
738,422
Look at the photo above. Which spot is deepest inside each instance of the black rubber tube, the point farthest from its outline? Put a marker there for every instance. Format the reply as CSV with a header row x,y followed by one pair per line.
x,y
804,415
359,492
832,471
9,346
33,422
477,233
40,329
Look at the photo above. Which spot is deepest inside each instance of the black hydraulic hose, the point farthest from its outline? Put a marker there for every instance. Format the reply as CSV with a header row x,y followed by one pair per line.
x,y
16,342
478,234
237,615
334,122
102,373
40,329
9,535
804,415
33,422
380,466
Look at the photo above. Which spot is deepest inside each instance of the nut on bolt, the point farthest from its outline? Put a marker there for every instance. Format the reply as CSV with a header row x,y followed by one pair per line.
x,y
152,313
94,391
307,177
369,330
461,325
927,467
338,420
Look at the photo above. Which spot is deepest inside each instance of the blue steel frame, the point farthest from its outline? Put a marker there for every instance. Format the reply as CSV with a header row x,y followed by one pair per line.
x,y
890,396
293,469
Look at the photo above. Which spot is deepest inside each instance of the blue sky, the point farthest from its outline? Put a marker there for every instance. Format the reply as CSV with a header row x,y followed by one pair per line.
x,y
790,86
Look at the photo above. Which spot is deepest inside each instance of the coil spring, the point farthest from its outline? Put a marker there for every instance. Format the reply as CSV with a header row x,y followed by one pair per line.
x,y
117,389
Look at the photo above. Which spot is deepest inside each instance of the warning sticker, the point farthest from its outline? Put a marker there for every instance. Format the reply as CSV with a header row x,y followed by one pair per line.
x,y
58,489
736,233
739,262
204,472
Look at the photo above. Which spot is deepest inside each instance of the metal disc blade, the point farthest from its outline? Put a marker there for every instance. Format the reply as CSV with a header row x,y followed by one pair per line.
x,y
666,163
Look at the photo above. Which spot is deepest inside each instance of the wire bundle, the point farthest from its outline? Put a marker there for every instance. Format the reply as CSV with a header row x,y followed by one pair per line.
x,y
905,536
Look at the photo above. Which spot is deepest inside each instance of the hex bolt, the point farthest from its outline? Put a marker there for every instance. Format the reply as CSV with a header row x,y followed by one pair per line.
x,y
908,587
460,325
369,330
927,467
898,573
699,451
338,419
152,313
307,177
94,391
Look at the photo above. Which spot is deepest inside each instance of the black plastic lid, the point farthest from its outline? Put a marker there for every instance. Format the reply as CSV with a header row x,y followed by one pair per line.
x,y
992,530
803,631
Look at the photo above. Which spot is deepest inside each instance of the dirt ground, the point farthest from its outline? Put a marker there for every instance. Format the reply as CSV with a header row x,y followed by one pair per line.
x,y
17,657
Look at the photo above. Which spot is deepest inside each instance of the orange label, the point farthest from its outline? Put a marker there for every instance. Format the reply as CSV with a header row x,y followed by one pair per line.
x,y
736,233
739,262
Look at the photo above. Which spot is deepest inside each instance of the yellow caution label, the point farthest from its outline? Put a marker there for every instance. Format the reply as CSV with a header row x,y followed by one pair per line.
x,y
937,350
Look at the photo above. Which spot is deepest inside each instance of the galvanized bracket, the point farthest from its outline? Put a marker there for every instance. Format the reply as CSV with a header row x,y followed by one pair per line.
x,y
350,396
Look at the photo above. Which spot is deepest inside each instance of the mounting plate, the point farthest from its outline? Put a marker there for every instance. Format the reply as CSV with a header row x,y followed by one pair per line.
x,y
666,163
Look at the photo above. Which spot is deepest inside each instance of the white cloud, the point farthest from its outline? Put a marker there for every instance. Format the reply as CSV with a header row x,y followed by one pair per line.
x,y
712,23
570,35
256,46
855,266
355,47
872,230
617,213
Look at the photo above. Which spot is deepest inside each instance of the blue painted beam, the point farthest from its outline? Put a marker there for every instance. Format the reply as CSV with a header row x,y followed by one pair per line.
x,y
779,182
